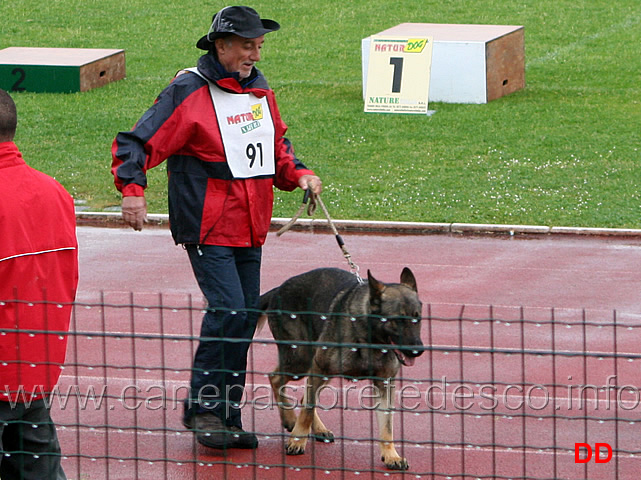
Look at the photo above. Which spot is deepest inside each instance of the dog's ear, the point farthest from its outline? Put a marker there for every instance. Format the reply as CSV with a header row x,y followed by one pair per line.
x,y
407,278
375,287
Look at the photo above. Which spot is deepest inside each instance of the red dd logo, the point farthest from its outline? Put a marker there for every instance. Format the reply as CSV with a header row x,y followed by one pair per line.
x,y
597,450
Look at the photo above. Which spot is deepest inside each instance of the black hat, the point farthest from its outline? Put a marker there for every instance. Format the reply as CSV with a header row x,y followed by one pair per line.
x,y
241,21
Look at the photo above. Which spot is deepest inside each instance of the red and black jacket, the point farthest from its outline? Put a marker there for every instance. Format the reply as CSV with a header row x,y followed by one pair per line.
x,y
206,204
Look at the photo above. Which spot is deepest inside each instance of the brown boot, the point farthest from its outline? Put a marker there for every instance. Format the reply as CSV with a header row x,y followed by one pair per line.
x,y
213,433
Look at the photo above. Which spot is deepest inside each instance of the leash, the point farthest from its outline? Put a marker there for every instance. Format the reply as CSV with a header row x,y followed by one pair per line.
x,y
313,200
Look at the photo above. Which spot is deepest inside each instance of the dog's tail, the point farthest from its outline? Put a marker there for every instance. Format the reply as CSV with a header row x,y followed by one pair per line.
x,y
264,306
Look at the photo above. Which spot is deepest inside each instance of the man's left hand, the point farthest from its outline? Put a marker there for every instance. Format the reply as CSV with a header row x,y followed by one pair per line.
x,y
311,182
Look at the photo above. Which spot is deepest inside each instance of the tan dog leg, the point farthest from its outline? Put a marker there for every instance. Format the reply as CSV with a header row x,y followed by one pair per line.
x,y
389,455
320,431
308,419
285,408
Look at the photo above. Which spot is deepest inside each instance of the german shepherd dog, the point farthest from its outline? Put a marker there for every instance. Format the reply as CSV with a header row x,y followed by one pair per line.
x,y
329,323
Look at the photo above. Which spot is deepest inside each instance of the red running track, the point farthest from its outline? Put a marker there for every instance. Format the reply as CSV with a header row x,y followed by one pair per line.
x,y
518,328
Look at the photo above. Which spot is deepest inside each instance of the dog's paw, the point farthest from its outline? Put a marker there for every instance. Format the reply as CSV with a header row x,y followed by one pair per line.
x,y
396,463
327,436
296,446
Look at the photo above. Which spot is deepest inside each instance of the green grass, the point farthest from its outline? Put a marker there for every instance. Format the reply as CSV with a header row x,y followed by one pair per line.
x,y
562,151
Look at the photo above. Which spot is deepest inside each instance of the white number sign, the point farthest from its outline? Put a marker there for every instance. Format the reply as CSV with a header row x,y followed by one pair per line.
x,y
398,74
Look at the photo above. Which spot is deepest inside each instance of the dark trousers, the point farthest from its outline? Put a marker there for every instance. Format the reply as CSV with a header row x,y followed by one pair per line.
x,y
29,445
229,277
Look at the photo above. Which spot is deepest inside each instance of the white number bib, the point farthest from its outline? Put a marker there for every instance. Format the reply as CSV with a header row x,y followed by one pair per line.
x,y
247,129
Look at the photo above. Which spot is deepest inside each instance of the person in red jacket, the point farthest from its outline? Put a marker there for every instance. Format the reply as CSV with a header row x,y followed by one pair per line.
x,y
38,281
220,130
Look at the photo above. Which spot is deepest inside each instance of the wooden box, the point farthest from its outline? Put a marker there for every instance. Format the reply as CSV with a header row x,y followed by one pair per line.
x,y
59,70
470,63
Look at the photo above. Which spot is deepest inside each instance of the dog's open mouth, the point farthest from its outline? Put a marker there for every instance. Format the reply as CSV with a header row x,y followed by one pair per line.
x,y
405,359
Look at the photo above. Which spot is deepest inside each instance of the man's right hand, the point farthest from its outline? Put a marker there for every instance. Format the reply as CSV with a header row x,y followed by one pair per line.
x,y
134,211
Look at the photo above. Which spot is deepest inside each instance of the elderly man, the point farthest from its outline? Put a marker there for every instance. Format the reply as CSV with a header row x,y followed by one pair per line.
x,y
219,128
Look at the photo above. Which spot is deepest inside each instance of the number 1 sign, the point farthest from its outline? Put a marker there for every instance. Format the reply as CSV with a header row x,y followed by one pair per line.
x,y
398,75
